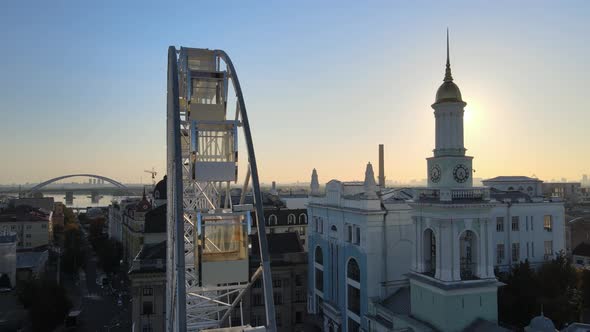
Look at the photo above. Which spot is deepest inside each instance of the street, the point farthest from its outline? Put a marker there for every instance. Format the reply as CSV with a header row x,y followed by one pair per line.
x,y
100,311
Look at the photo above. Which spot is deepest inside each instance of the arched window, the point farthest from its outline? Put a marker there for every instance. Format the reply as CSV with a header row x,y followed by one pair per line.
x,y
291,219
353,271
303,218
468,255
429,241
510,188
333,228
521,188
529,189
353,286
272,220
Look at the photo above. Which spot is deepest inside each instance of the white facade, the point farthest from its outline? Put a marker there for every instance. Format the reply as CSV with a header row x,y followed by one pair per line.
x,y
533,231
352,225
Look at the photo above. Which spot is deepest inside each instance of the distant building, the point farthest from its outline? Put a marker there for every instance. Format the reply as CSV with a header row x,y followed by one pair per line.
x,y
117,213
133,228
525,184
570,191
289,277
44,203
32,226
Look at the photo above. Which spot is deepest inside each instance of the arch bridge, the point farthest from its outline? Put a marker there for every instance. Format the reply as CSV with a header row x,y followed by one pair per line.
x,y
100,177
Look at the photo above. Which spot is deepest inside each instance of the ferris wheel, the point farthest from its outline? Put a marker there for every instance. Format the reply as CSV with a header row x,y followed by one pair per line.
x,y
208,231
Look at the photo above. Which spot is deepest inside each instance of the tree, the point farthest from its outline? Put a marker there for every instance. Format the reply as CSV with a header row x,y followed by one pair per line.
x,y
46,302
73,256
110,253
69,216
517,300
96,227
559,294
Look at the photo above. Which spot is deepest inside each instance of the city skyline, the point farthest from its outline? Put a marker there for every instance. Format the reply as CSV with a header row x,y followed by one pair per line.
x,y
96,103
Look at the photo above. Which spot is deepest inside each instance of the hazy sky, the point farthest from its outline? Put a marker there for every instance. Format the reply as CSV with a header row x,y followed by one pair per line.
x,y
82,86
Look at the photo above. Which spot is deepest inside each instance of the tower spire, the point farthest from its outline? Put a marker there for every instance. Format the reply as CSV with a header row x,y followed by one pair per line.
x,y
448,76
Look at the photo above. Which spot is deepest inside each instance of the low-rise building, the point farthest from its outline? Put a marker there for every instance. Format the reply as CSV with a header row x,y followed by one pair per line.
x,y
148,274
148,288
289,278
32,226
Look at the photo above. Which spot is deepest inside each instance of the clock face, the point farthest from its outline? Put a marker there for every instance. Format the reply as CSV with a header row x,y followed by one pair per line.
x,y
435,173
461,173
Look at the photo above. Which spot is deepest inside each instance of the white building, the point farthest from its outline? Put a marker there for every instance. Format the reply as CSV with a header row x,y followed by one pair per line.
x,y
388,260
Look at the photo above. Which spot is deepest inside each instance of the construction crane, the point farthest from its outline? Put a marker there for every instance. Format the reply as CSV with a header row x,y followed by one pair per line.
x,y
208,243
153,173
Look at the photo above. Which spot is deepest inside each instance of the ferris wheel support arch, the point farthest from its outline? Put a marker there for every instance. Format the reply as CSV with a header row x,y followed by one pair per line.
x,y
177,218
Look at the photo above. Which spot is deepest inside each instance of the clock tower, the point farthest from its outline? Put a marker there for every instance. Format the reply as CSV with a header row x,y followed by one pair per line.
x,y
452,281
449,167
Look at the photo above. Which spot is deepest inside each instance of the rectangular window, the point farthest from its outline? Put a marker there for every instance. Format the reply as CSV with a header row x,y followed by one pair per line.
x,y
532,223
515,223
499,224
276,283
515,252
548,223
548,249
527,250
28,236
148,308
43,226
353,326
278,319
533,249
298,280
278,297
500,253
527,223
319,280
354,299
29,226
298,317
358,236
148,291
349,237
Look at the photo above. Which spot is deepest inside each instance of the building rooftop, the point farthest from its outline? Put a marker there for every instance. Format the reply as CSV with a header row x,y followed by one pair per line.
x,y
279,243
517,178
23,213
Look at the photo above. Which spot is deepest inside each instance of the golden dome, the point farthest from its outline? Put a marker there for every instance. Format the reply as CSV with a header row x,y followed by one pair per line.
x,y
448,92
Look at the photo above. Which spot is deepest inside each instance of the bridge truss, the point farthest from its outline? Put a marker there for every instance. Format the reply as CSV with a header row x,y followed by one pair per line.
x,y
208,244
